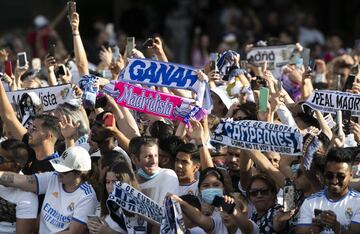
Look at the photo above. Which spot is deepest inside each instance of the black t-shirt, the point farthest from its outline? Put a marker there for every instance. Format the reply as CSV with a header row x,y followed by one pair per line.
x,y
33,165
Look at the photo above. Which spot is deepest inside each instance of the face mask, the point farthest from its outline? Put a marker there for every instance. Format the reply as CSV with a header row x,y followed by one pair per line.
x,y
143,174
356,171
208,195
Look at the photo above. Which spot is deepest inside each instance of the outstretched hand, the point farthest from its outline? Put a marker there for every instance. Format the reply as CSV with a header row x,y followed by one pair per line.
x,y
68,127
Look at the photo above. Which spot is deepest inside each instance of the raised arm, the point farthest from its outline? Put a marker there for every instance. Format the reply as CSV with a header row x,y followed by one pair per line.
x,y
205,222
24,182
80,54
8,115
265,165
197,133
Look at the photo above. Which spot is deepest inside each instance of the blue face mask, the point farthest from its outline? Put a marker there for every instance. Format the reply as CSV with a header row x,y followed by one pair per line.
x,y
143,174
208,195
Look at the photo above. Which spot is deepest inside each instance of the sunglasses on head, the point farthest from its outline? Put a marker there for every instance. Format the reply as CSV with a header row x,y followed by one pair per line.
x,y
256,192
331,176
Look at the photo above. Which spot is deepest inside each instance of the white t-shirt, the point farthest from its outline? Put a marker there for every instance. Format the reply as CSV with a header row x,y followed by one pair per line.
x,y
219,226
60,207
189,189
157,188
26,206
347,209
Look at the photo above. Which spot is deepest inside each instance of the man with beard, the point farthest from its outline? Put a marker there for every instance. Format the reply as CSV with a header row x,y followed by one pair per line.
x,y
41,135
232,162
337,207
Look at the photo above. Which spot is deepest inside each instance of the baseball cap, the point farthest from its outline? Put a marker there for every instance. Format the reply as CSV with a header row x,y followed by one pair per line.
x,y
74,158
221,92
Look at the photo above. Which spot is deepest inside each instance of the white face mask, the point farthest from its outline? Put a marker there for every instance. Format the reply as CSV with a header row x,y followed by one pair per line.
x,y
356,170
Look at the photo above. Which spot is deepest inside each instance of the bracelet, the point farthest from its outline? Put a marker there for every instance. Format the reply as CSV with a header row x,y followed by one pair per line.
x,y
76,34
201,145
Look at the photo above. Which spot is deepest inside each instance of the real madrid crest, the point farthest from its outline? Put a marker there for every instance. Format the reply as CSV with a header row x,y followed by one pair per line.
x,y
71,207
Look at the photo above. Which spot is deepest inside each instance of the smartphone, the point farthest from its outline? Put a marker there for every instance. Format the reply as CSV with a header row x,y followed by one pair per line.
x,y
213,62
351,78
60,71
71,8
220,202
317,212
244,64
109,120
346,117
8,68
22,59
106,44
101,101
51,50
94,218
116,54
130,45
306,57
289,196
263,99
339,121
149,43
36,64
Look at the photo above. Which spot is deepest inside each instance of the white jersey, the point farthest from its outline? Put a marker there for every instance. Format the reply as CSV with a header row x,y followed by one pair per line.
x,y
189,189
157,188
219,226
26,206
347,209
60,207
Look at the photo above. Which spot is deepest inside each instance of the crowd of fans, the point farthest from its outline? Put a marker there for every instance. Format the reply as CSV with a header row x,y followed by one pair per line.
x,y
58,167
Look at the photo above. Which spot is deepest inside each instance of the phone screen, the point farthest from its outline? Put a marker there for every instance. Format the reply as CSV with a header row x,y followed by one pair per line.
x,y
130,45
116,54
22,59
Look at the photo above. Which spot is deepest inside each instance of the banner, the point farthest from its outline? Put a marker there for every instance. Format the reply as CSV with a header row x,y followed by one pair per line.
x,y
172,218
330,101
134,201
257,135
154,102
156,73
50,96
275,56
125,197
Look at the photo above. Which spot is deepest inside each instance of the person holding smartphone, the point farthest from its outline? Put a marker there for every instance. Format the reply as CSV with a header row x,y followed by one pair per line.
x,y
339,204
211,186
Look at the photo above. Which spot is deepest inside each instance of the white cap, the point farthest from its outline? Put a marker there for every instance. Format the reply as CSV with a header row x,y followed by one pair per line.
x,y
221,92
73,158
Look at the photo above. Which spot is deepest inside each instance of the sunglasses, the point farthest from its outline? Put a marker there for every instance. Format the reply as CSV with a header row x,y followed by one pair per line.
x,y
262,192
331,176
